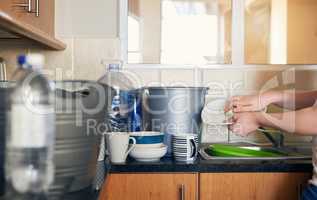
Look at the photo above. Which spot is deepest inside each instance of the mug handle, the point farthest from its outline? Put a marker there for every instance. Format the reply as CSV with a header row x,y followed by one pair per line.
x,y
104,138
193,146
132,146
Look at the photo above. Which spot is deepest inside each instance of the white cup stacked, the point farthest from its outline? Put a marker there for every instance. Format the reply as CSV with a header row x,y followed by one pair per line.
x,y
185,147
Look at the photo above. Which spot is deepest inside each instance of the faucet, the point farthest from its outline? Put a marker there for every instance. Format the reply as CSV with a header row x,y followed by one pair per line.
x,y
277,141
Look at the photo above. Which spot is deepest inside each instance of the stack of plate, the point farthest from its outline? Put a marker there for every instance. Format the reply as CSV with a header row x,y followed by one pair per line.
x,y
149,146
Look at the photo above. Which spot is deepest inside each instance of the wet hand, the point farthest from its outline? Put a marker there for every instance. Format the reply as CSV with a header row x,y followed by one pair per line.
x,y
244,123
248,103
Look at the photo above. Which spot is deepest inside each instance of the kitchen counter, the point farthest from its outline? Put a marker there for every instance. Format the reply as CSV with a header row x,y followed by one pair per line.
x,y
167,165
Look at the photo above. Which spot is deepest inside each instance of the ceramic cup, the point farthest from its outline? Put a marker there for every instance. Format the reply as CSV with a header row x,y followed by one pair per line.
x,y
185,147
118,146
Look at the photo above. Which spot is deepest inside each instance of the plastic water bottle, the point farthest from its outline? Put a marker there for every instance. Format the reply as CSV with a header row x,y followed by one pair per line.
x,y
31,130
118,113
120,108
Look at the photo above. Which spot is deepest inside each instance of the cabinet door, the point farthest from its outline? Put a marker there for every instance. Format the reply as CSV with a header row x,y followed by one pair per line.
x,y
6,6
43,22
150,187
252,186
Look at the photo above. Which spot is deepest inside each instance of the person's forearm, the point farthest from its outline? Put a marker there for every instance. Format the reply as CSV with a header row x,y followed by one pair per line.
x,y
302,122
290,99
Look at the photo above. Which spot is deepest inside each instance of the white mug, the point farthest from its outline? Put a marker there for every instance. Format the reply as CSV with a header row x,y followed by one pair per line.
x,y
185,147
118,146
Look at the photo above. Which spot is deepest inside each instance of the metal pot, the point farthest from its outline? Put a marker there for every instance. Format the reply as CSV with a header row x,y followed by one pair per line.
x,y
77,103
5,89
173,110
78,110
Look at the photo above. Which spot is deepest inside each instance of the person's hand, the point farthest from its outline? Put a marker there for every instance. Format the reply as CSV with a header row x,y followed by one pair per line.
x,y
249,103
244,123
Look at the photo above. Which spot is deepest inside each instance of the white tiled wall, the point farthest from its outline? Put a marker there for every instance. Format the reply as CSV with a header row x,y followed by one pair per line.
x,y
85,50
86,19
147,77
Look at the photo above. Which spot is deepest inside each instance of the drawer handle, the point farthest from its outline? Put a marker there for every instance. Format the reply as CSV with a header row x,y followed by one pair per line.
x,y
182,190
301,188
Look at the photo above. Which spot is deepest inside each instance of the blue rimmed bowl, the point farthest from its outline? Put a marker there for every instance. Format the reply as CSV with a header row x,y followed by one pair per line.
x,y
148,138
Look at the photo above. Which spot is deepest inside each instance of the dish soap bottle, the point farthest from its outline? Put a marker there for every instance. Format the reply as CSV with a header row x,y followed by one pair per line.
x,y
31,130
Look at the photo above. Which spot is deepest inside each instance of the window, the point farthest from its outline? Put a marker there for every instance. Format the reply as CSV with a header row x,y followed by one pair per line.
x,y
179,31
202,32
134,54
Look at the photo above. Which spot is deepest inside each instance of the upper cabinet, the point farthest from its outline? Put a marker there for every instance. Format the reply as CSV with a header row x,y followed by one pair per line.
x,y
281,32
31,19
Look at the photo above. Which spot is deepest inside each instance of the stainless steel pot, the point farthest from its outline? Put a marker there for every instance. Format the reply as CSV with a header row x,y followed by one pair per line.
x,y
5,89
77,103
80,109
173,110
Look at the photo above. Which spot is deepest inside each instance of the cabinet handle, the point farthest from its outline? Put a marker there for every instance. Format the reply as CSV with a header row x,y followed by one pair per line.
x,y
27,5
182,190
37,8
300,190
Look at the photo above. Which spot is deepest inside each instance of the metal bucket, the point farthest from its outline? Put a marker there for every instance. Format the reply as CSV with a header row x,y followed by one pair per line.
x,y
173,110
78,110
5,89
76,146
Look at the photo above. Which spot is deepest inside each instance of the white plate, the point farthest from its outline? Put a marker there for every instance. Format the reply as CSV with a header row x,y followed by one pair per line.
x,y
213,113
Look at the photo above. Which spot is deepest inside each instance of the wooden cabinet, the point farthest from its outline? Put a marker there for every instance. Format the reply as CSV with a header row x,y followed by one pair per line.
x,y
151,187
45,19
252,186
36,24
205,186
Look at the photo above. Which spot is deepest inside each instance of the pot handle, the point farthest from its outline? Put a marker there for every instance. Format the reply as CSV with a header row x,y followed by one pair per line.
x,y
83,92
145,96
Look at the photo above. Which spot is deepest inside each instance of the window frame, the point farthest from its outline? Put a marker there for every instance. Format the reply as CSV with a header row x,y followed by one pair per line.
x,y
237,39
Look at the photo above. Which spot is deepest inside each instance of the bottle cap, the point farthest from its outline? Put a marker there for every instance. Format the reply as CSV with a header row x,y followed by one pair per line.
x,y
21,60
113,67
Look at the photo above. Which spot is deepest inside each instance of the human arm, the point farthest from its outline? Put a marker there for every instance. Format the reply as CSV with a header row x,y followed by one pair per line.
x,y
286,99
295,100
301,122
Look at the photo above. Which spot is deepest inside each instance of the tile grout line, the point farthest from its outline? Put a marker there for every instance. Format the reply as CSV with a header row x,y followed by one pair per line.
x,y
73,58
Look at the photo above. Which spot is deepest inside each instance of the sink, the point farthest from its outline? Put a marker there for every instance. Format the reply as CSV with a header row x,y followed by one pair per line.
x,y
288,152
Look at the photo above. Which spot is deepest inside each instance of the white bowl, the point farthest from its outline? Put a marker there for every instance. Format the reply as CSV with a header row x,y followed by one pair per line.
x,y
148,154
156,145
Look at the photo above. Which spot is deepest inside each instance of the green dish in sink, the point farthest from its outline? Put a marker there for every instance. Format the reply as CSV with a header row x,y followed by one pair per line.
x,y
222,150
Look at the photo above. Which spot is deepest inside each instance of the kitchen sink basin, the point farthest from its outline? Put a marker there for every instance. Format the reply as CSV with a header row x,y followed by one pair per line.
x,y
288,152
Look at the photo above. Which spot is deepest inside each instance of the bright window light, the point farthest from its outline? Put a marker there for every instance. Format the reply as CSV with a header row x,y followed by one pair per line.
x,y
189,33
